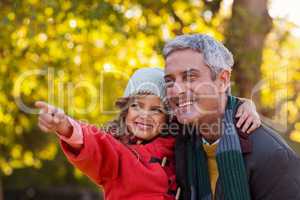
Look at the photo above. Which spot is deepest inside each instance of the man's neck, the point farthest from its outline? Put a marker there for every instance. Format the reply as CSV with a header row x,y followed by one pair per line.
x,y
213,130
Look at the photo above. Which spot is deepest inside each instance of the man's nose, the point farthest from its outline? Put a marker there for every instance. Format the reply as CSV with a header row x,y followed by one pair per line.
x,y
179,88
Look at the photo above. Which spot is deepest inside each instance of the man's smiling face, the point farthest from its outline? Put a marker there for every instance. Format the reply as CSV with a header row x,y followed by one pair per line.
x,y
193,95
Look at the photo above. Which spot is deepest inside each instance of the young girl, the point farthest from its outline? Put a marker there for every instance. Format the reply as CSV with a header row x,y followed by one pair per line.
x,y
132,160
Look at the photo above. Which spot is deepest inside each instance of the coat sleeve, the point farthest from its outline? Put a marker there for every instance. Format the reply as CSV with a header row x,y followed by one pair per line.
x,y
279,178
99,156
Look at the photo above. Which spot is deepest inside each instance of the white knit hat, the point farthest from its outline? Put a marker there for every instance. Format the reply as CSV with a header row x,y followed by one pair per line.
x,y
146,80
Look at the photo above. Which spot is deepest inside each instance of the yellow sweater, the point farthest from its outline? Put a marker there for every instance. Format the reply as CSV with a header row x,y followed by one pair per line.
x,y
212,164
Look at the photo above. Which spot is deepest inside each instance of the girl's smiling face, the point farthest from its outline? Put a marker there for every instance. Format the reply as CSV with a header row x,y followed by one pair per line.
x,y
146,117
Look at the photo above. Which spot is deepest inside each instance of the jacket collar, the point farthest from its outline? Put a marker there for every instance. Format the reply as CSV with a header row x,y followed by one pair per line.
x,y
246,144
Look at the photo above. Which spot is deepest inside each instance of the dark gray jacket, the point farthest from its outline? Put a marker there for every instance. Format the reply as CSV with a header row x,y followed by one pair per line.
x,y
273,167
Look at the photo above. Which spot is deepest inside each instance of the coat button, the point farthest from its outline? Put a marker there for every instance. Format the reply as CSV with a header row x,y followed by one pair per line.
x,y
164,161
178,193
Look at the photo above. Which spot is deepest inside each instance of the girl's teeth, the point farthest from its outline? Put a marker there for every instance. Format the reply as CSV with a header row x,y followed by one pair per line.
x,y
144,125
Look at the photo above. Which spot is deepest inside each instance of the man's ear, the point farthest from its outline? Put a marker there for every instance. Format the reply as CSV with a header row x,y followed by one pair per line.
x,y
223,80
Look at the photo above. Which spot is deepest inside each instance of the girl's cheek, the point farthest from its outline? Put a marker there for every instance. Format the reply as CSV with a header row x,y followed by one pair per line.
x,y
131,114
160,125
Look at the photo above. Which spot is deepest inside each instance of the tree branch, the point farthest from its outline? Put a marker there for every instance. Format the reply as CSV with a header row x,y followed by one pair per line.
x,y
176,18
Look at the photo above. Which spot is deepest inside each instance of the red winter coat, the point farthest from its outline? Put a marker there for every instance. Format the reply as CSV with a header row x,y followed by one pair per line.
x,y
126,172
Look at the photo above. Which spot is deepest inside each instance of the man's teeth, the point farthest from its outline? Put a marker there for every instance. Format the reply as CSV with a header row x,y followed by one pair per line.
x,y
185,104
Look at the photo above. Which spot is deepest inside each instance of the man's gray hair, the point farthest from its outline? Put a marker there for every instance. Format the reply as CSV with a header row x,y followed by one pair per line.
x,y
215,54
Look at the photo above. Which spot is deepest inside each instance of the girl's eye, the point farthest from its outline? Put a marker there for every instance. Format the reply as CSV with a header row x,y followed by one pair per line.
x,y
157,110
169,84
134,105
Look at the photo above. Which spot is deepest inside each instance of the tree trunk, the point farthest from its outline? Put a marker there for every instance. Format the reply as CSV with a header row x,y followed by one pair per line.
x,y
1,190
245,35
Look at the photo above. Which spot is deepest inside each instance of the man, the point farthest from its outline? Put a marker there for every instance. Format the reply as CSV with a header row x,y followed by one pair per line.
x,y
212,160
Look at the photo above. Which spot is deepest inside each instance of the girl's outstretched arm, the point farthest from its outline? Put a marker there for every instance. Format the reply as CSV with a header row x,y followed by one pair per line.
x,y
54,120
88,148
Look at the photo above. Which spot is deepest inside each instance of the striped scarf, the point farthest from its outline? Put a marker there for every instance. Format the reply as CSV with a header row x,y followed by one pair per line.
x,y
233,183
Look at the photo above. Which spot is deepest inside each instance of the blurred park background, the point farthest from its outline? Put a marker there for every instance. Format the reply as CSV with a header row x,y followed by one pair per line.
x,y
78,55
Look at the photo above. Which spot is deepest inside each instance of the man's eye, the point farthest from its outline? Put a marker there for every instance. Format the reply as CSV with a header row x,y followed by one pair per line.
x,y
191,77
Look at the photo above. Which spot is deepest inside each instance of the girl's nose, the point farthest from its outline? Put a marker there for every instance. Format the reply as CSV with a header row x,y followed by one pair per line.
x,y
144,115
